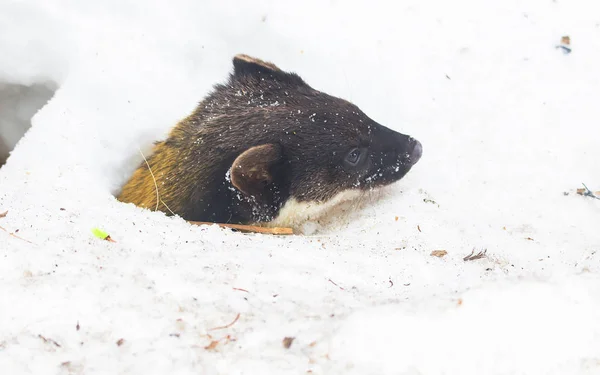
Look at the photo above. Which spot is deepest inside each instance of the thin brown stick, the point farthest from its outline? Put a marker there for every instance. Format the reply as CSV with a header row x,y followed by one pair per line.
x,y
249,228
228,325
331,281
15,236
47,340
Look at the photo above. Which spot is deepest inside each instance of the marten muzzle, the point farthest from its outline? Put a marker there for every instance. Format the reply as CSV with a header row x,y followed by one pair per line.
x,y
392,156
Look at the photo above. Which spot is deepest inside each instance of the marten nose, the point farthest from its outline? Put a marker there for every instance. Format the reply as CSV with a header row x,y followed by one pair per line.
x,y
415,150
411,152
408,153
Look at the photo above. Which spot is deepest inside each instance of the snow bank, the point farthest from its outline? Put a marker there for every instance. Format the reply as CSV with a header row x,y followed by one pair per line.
x,y
508,125
509,328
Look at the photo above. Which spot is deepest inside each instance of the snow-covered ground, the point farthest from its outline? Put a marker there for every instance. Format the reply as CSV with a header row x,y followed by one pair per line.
x,y
508,122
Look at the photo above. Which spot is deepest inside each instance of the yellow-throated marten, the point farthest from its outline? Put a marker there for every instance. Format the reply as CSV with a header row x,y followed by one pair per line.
x,y
265,147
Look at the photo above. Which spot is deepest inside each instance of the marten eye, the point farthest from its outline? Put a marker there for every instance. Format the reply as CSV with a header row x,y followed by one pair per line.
x,y
353,157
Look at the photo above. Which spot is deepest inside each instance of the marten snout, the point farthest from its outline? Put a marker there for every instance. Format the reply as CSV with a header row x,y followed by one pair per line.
x,y
406,151
392,155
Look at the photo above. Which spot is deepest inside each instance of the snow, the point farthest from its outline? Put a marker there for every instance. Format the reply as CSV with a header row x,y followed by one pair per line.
x,y
508,124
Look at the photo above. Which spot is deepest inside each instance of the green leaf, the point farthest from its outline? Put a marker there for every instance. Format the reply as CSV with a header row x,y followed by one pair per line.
x,y
99,233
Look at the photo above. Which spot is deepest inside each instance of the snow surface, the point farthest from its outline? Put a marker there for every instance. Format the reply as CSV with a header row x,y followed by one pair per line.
x,y
509,123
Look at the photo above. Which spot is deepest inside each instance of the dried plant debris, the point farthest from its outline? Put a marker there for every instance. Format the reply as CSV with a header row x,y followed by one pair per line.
x,y
474,256
333,282
588,193
427,200
12,234
228,325
212,346
49,341
120,342
287,342
565,44
438,253
72,367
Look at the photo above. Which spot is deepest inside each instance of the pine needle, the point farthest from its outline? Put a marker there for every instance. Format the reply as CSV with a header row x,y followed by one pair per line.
x,y
158,200
173,213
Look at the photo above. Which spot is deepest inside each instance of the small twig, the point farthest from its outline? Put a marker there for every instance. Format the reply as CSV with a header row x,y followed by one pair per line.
x,y
474,256
331,281
49,340
249,228
15,236
241,290
228,325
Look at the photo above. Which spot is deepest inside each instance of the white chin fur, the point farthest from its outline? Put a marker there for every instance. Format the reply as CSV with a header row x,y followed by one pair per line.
x,y
304,216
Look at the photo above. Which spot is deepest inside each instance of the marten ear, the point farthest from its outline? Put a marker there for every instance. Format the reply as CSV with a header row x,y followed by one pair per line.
x,y
244,64
252,171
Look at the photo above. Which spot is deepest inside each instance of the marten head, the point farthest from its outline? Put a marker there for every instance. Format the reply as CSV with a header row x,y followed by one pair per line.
x,y
267,147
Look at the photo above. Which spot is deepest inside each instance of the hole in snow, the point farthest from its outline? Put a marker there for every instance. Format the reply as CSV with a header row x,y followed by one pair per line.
x,y
18,104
